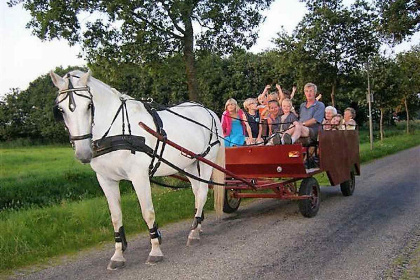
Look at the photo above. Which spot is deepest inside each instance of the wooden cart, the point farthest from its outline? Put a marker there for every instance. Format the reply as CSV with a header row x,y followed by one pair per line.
x,y
274,171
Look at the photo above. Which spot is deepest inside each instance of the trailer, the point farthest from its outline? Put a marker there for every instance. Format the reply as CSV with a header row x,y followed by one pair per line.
x,y
275,171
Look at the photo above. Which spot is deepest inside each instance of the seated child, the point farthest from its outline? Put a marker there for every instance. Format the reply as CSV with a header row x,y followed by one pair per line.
x,y
253,118
337,122
262,107
286,121
284,93
273,96
234,124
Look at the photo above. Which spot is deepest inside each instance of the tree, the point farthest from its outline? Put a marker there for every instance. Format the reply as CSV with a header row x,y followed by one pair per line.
x,y
399,18
28,114
341,39
409,67
163,81
300,64
137,31
385,85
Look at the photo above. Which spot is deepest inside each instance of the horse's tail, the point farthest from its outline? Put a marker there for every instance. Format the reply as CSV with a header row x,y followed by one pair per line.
x,y
219,177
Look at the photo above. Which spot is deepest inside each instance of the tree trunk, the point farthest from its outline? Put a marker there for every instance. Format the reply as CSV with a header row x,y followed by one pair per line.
x,y
381,127
333,94
189,60
407,114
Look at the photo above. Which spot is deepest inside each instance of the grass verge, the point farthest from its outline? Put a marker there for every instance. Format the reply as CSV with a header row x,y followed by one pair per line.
x,y
388,146
32,236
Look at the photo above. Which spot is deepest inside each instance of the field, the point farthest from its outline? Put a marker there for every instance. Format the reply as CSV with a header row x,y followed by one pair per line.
x,y
51,205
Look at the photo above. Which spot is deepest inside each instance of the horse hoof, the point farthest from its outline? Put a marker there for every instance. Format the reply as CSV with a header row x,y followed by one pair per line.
x,y
114,265
154,259
193,241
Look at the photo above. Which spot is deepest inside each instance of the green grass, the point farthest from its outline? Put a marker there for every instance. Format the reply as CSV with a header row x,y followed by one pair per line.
x,y
38,161
413,270
388,146
406,266
31,236
37,232
43,175
393,130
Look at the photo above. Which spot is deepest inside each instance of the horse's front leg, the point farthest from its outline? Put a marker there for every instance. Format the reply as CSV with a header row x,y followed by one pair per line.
x,y
112,192
142,187
200,191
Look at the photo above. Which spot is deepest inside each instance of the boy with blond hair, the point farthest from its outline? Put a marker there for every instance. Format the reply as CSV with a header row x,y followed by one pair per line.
x,y
254,121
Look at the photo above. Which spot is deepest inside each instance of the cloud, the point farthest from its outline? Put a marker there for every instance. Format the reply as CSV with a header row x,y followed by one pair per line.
x,y
282,14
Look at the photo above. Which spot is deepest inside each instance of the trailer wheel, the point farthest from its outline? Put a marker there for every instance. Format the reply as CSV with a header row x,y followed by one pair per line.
x,y
231,203
309,207
347,187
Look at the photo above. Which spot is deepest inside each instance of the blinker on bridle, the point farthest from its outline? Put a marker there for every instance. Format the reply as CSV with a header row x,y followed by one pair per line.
x,y
69,93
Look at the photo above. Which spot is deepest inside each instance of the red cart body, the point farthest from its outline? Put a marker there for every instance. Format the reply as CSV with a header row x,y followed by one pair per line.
x,y
338,154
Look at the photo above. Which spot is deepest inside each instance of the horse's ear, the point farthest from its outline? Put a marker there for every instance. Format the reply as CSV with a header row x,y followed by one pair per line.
x,y
85,78
59,82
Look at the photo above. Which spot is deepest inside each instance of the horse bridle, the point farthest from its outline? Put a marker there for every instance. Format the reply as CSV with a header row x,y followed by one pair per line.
x,y
69,93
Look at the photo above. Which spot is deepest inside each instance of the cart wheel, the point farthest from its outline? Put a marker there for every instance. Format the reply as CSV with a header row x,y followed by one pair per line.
x,y
347,187
309,207
231,203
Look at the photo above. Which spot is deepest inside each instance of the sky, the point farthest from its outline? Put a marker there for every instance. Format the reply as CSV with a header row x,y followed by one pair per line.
x,y
24,57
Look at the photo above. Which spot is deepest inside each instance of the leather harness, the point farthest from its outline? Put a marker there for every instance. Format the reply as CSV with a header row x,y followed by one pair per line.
x,y
135,143
107,144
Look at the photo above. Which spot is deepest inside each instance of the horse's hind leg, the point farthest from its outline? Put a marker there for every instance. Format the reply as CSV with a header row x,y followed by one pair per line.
x,y
112,192
142,186
200,191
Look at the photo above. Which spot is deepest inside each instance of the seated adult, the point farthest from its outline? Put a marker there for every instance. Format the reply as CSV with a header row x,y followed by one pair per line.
x,y
311,114
273,118
330,112
349,122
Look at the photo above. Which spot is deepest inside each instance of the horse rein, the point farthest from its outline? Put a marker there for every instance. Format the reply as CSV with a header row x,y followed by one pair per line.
x,y
69,93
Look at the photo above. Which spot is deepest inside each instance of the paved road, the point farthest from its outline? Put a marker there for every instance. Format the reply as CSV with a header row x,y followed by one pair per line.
x,y
355,237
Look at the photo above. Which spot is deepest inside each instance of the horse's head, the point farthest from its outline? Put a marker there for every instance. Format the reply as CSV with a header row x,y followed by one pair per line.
x,y
74,105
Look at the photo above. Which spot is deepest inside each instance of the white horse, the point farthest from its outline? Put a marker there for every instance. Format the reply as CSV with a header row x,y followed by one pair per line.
x,y
91,109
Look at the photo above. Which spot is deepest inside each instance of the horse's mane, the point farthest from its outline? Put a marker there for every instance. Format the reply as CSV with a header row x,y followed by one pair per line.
x,y
119,94
94,80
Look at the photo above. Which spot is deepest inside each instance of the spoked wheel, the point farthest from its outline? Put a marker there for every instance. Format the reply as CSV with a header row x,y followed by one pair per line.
x,y
231,203
309,207
347,187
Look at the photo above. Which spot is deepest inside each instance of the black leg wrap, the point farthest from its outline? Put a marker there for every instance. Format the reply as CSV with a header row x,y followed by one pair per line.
x,y
120,237
202,216
155,233
196,222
